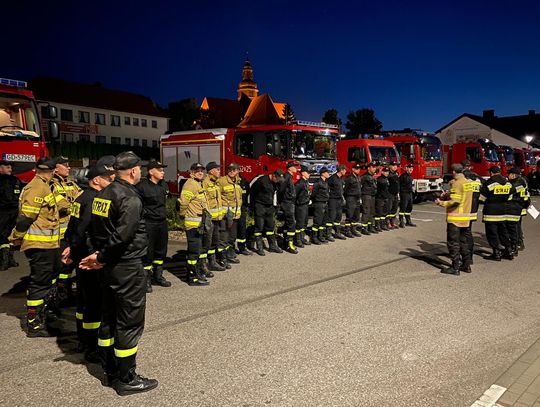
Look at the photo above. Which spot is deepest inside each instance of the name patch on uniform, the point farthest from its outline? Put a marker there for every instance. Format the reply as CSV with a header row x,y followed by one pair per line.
x,y
100,207
38,199
471,186
76,209
502,189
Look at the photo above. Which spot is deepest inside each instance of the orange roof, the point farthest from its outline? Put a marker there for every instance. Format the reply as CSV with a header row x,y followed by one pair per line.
x,y
280,107
262,110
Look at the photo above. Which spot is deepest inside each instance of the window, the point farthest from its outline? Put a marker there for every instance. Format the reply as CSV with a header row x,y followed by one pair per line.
x,y
116,140
276,144
66,115
143,122
154,143
127,141
356,155
101,139
84,137
144,143
84,117
100,118
135,121
244,145
154,124
45,112
127,120
67,137
136,142
473,154
115,120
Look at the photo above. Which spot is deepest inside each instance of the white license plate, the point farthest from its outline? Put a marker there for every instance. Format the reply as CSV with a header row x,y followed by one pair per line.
x,y
27,158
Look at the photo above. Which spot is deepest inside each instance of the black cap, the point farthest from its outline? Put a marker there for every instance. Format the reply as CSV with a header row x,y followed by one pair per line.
x,y
279,173
371,164
127,160
107,160
410,165
303,168
356,167
155,164
385,169
466,163
341,167
46,163
323,169
211,165
291,164
5,162
61,160
514,170
233,167
196,166
393,163
495,169
98,170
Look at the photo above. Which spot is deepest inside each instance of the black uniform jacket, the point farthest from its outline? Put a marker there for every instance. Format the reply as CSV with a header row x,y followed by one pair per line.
x,y
153,197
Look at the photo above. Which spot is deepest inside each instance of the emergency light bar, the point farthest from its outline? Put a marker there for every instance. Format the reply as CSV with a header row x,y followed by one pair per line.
x,y
316,124
13,82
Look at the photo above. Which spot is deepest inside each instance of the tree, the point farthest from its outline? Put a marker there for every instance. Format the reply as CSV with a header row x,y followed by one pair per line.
x,y
363,121
288,114
331,117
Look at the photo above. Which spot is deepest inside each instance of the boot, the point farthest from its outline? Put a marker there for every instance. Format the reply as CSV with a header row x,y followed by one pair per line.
x,y
365,231
231,256
465,267
157,277
222,260
409,221
259,244
291,248
242,249
508,254
130,382
355,232
401,221
372,229
203,268
454,270
303,239
148,270
338,234
36,324
383,225
4,258
273,246
213,265
322,236
521,245
495,256
194,276
377,226
298,240
11,259
348,232
314,238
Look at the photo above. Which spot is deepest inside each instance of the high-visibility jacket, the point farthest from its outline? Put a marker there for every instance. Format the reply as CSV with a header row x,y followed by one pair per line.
x,y
193,201
517,207
70,191
213,193
495,193
459,208
38,223
231,195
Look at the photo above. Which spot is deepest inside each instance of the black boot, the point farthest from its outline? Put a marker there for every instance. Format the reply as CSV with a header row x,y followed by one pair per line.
x,y
194,276
4,258
303,239
222,260
259,244
298,242
465,268
272,243
291,248
383,225
231,256
338,234
203,269
313,238
371,228
213,265
401,221
328,235
409,221
508,254
454,270
11,259
148,270
130,382
356,231
322,236
242,249
157,277
36,325
347,231
495,256
365,231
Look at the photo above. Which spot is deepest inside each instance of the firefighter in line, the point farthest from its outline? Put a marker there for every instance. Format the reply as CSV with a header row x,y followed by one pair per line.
x,y
406,197
231,197
495,193
241,233
287,199
474,183
335,202
153,191
521,238
369,190
263,200
118,234
319,198
459,214
516,208
10,191
301,207
211,240
533,179
88,281
37,233
382,200
393,190
352,192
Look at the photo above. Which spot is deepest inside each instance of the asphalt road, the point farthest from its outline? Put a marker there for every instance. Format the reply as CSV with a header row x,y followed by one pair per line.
x,y
365,322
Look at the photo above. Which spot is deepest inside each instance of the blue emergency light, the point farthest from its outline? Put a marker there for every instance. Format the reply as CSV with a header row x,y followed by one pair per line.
x,y
13,82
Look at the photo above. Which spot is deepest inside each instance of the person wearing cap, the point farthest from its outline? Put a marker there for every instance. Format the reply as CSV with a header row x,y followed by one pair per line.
x,y
516,209
352,192
533,180
335,202
406,196
495,193
263,200
67,188
369,190
37,232
287,199
459,214
88,313
231,197
382,200
393,190
301,207
118,236
241,232
153,190
10,190
468,171
194,208
211,240
319,198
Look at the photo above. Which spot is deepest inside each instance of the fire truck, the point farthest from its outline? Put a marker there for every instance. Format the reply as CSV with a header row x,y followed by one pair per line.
x,y
22,141
482,153
506,158
363,151
525,159
258,149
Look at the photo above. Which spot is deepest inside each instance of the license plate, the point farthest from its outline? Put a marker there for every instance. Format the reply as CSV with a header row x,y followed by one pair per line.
x,y
27,158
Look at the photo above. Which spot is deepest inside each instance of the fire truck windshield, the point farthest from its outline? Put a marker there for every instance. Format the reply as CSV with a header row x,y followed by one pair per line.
x,y
383,154
508,155
490,152
18,118
430,148
313,145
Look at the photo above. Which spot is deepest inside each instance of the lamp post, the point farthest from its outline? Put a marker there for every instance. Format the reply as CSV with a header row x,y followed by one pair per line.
x,y
528,139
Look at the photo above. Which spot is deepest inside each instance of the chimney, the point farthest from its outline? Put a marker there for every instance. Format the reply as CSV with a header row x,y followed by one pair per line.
x,y
532,112
488,114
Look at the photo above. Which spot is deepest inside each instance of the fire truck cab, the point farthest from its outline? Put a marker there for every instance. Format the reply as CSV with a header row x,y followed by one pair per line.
x,y
506,158
363,151
525,160
481,153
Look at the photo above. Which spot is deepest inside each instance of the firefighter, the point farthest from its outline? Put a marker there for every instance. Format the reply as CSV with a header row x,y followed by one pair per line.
x,y
406,197
352,192
231,197
88,282
335,202
393,190
287,199
369,190
10,190
241,233
37,232
459,213
153,190
301,207
474,182
263,199
319,200
495,193
516,207
382,200
521,241
118,234
211,241
534,180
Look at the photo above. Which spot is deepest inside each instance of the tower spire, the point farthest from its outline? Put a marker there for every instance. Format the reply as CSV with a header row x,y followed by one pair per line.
x,y
247,86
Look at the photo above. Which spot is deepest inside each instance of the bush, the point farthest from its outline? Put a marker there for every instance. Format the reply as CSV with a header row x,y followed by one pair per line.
x,y
174,222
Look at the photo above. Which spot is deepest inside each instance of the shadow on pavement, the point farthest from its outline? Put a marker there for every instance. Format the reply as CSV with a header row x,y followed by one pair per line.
x,y
429,253
176,265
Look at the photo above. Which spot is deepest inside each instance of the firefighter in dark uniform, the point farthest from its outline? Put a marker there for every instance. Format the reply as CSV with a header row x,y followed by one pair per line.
x,y
474,182
88,281
521,238
353,202
37,233
319,200
153,190
533,180
335,202
369,190
495,193
241,233
406,197
301,207
262,197
212,239
10,190
118,234
287,199
519,204
393,189
231,197
382,200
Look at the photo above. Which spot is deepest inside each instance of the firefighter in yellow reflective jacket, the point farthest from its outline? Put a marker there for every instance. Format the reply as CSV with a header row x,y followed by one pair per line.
x,y
459,204
231,196
37,232
197,221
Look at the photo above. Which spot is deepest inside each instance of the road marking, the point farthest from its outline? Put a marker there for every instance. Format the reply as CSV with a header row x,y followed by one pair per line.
x,y
423,220
490,397
436,213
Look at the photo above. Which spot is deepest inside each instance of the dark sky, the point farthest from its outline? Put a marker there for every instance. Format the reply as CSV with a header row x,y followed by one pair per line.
x,y
418,64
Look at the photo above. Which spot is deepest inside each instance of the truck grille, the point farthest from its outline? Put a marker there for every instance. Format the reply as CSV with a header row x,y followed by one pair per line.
x,y
434,172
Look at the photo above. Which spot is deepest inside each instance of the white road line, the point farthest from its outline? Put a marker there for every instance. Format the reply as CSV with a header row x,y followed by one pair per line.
x,y
436,213
423,220
490,397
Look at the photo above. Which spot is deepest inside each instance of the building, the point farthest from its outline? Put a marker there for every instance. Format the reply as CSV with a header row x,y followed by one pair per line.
x,y
100,115
509,131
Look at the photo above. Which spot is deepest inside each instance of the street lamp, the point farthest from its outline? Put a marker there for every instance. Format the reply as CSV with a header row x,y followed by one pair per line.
x,y
528,139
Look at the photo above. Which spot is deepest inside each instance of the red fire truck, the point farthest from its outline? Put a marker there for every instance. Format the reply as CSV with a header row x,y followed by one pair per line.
x,y
257,149
506,158
525,159
21,137
363,151
482,153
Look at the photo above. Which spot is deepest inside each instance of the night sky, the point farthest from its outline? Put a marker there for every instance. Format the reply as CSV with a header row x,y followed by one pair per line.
x,y
418,64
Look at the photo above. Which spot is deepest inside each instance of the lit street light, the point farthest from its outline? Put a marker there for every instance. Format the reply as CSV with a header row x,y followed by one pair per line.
x,y
528,139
